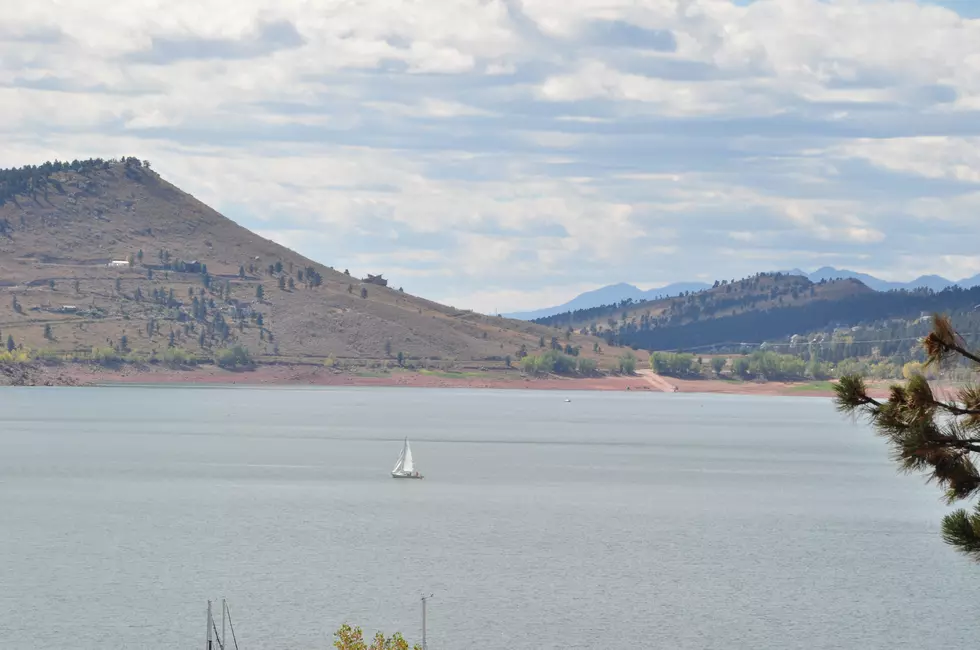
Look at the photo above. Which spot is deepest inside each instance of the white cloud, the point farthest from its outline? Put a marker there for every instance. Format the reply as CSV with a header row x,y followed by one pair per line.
x,y
499,151
954,158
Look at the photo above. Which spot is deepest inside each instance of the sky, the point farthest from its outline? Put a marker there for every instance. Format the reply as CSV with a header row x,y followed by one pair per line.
x,y
502,155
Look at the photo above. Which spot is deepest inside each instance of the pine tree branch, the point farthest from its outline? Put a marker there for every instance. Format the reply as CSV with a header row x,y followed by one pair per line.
x,y
953,409
964,352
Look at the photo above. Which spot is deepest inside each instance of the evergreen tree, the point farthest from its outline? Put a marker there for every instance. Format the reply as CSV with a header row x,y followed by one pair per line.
x,y
47,332
259,293
10,343
933,434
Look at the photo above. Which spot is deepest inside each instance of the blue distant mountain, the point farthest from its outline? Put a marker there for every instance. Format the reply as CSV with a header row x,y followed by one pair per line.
x,y
609,295
934,282
617,292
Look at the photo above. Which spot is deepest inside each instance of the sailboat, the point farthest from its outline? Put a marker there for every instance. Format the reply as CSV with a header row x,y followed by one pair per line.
x,y
405,467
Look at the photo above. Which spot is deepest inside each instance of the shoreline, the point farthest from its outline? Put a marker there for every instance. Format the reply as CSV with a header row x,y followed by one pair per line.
x,y
297,375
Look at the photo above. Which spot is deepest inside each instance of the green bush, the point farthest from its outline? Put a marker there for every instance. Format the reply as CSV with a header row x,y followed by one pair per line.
x,y
106,356
176,357
587,366
627,363
671,364
551,361
236,356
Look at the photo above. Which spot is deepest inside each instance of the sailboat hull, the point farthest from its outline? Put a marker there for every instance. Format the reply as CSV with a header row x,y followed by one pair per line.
x,y
394,475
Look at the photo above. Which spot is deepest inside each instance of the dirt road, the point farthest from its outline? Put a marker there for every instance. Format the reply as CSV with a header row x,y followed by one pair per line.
x,y
657,381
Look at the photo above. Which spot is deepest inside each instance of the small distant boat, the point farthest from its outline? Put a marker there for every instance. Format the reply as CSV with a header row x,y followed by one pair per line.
x,y
568,400
405,467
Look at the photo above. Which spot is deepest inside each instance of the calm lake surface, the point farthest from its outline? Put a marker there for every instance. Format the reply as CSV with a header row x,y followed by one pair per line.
x,y
614,521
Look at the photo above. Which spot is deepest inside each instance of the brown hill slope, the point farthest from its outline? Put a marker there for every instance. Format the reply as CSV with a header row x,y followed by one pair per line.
x,y
61,228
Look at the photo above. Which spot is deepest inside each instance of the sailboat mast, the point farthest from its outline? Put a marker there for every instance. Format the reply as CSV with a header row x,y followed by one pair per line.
x,y
424,602
224,607
209,626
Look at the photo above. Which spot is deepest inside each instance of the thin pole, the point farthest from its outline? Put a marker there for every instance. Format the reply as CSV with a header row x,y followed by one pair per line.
x,y
424,602
224,607
209,626
231,624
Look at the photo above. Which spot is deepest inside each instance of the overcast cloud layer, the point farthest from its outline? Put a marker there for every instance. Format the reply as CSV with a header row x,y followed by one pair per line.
x,y
509,154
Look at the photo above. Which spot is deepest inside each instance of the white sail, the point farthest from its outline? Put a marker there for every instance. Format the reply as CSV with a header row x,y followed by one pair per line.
x,y
400,463
408,465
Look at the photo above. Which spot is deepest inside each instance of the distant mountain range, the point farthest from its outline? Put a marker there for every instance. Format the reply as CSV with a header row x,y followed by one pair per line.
x,y
615,293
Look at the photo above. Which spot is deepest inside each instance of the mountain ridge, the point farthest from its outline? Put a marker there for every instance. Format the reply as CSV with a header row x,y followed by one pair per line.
x,y
615,293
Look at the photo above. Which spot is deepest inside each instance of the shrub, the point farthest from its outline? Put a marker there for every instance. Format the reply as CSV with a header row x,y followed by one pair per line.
x,y
176,357
236,356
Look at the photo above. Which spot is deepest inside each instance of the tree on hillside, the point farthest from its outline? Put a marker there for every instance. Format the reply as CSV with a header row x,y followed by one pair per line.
x,y
259,293
718,364
363,292
47,332
627,363
935,434
139,256
10,343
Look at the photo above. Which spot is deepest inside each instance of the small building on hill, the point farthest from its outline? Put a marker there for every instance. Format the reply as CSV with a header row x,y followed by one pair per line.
x,y
376,279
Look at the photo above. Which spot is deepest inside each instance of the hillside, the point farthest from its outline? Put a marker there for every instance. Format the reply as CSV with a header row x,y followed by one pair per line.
x,y
760,292
616,293
192,279
765,308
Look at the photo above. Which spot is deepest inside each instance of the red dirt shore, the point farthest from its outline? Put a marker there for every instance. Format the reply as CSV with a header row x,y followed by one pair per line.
x,y
299,375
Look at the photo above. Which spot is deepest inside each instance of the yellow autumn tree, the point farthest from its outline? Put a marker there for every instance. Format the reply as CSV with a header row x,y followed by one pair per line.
x,y
352,638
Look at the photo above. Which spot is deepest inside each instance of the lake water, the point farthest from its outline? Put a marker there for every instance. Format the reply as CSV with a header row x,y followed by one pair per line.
x,y
614,521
